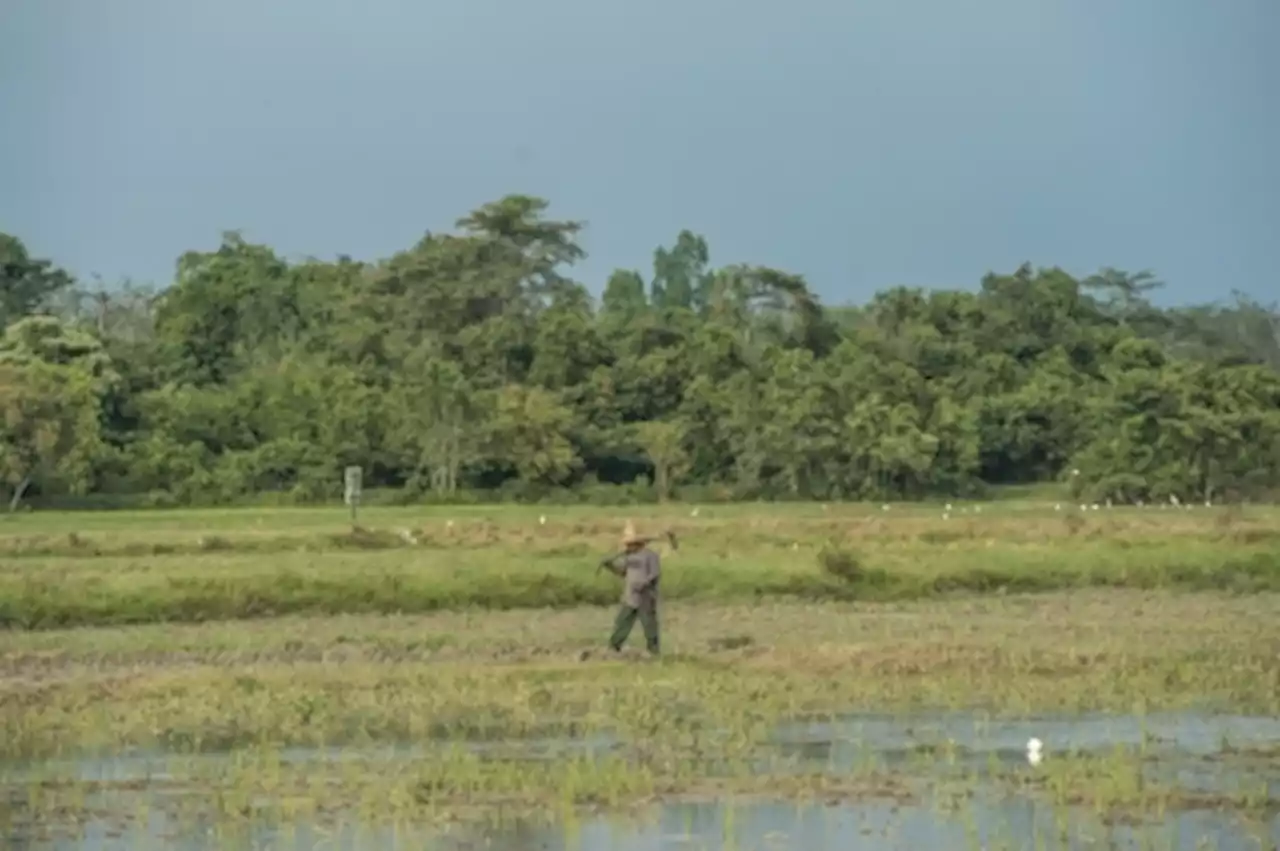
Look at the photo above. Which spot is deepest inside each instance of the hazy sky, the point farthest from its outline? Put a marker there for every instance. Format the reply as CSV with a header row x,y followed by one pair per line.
x,y
861,143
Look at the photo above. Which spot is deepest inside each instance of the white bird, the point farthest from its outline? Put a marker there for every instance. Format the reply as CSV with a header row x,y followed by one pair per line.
x,y
448,524
948,506
977,509
884,507
693,513
1057,506
1035,753
542,520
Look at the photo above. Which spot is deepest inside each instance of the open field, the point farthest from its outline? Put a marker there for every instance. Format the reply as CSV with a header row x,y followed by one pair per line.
x,y
842,677
106,568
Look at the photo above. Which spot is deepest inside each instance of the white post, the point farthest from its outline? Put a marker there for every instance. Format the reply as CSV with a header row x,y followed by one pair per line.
x,y
352,480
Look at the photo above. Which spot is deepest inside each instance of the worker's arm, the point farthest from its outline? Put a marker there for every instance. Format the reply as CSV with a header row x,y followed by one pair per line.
x,y
611,564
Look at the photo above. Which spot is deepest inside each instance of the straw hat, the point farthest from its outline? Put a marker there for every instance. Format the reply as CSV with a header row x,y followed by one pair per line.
x,y
631,536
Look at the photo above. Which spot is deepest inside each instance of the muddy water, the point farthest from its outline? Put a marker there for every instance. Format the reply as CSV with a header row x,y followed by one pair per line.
x,y
1198,753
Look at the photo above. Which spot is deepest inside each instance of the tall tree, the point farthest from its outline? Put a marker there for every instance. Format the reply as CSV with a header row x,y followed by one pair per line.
x,y
49,430
239,296
663,443
27,283
680,274
474,360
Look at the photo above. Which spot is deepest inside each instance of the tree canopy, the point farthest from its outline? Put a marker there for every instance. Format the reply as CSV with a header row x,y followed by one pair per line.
x,y
473,364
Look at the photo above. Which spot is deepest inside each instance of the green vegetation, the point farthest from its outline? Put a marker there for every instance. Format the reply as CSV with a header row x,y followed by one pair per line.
x,y
484,717
132,568
1045,497
739,669
472,367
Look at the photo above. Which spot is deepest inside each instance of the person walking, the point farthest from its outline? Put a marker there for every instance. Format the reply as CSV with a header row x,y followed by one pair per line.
x,y
640,569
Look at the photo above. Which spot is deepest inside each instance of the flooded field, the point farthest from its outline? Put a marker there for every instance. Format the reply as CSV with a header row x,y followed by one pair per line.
x,y
374,698
1166,780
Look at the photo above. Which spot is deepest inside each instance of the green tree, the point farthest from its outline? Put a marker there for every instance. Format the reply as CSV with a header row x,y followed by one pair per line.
x,y
27,283
474,359
439,419
680,274
530,431
46,339
624,297
663,443
239,296
49,430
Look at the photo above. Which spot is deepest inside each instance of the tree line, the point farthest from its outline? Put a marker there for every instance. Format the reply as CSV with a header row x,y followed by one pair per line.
x,y
472,366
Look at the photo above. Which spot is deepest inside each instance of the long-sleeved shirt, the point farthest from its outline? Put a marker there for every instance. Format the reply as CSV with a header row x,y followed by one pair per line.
x,y
640,572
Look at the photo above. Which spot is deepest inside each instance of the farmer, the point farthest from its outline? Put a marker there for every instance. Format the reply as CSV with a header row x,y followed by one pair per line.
x,y
640,569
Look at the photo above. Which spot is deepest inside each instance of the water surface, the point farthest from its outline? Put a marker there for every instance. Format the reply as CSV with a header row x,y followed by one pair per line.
x,y
1203,753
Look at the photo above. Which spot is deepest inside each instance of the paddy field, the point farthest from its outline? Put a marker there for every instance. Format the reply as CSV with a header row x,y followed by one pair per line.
x,y
832,676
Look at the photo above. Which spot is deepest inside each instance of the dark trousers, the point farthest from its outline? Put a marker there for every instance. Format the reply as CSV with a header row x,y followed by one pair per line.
x,y
647,612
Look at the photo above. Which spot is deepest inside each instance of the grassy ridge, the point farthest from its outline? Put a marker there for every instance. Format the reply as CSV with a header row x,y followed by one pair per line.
x,y
59,602
77,570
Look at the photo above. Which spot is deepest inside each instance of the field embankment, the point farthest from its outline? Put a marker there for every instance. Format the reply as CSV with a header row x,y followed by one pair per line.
x,y
62,570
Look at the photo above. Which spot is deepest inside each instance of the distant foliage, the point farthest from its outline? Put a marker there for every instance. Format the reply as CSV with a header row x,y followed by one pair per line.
x,y
472,366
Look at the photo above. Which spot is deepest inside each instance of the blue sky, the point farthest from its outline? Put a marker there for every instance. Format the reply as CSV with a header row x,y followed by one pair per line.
x,y
861,143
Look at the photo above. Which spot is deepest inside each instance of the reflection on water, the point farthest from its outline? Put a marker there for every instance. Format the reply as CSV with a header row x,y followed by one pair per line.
x,y
1187,749
1015,823
1011,823
1197,735
1195,752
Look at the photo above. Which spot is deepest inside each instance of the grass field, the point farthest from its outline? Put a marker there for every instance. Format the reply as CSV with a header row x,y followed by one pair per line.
x,y
100,569
275,678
